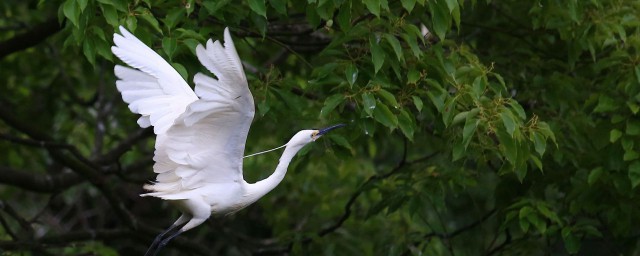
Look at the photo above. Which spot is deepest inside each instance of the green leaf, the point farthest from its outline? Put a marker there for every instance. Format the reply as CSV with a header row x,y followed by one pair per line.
x,y
214,6
413,44
523,216
173,17
571,242
634,173
377,54
89,50
351,73
417,102
539,142
119,5
110,14
181,70
469,129
330,103
169,46
373,6
344,17
459,117
452,5
259,7
279,5
342,141
614,135
605,104
633,127
131,23
395,45
440,18
627,143
189,6
536,161
594,175
186,33
70,10
261,24
457,151
149,18
82,4
388,97
408,5
263,107
191,44
312,15
406,124
544,128
438,101
455,14
478,87
540,225
383,115
413,76
518,109
508,146
508,122
633,107
546,212
368,103
630,155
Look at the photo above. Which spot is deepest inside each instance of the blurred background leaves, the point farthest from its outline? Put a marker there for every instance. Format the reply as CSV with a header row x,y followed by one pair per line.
x,y
474,127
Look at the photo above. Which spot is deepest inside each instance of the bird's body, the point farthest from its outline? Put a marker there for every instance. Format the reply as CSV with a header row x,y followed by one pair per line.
x,y
201,134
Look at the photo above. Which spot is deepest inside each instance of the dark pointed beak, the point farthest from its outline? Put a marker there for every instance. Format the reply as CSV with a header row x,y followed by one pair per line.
x,y
325,130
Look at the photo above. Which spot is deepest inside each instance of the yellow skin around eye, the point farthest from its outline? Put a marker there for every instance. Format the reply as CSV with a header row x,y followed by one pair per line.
x,y
314,135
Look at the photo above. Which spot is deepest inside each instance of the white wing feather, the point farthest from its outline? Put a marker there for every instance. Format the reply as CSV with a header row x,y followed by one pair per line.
x,y
155,90
206,142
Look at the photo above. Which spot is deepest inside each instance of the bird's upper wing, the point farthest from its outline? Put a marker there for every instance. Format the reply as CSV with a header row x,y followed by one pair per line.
x,y
206,143
155,90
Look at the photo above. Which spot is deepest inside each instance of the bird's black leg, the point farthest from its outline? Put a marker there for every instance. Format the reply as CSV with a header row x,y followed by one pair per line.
x,y
158,239
165,241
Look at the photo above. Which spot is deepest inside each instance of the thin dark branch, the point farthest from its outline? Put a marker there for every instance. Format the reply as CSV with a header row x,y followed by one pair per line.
x,y
281,44
453,234
7,229
30,38
498,248
24,224
38,181
66,238
76,163
48,144
347,208
124,146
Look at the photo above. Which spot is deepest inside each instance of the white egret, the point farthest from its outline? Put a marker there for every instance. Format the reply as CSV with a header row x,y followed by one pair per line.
x,y
200,135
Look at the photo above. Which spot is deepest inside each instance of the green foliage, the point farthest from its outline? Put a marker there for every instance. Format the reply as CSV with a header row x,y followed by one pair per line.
x,y
474,127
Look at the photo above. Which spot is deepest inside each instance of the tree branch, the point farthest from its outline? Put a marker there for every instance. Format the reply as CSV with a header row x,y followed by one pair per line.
x,y
30,38
77,163
124,146
38,181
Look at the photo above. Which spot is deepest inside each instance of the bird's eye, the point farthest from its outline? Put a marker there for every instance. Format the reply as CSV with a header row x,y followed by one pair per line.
x,y
314,134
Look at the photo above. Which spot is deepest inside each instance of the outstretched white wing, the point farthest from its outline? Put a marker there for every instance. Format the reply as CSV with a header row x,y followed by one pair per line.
x,y
155,90
206,142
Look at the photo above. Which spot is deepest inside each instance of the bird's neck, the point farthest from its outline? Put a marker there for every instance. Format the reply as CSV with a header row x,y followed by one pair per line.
x,y
261,188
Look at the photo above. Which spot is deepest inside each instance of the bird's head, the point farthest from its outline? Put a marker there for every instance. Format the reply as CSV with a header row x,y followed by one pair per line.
x,y
305,136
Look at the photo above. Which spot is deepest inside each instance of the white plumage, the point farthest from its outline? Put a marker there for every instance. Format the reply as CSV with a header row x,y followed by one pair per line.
x,y
200,135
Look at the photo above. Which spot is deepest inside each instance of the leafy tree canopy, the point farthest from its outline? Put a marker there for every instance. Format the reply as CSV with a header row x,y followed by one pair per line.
x,y
474,127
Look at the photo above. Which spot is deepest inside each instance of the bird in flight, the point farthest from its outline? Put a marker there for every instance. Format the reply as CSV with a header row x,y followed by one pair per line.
x,y
201,134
